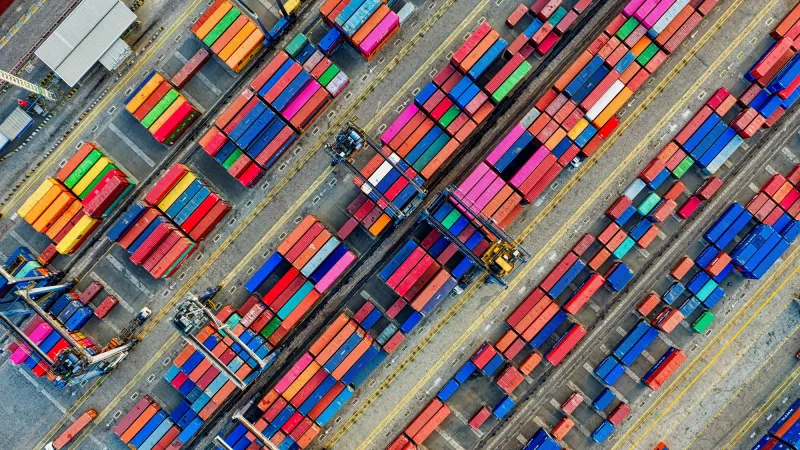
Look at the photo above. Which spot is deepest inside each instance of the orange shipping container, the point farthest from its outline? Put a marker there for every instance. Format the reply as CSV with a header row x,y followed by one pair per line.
x,y
573,71
530,363
414,138
140,422
64,219
562,428
612,108
237,40
540,322
296,234
328,335
54,212
305,256
370,25
301,309
47,199
444,155
479,51
351,359
336,342
424,417
301,380
213,20
246,51
230,34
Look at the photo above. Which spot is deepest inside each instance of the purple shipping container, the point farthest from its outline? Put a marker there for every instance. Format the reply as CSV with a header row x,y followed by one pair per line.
x,y
398,124
336,271
524,172
505,144
657,13
294,372
387,25
631,7
440,295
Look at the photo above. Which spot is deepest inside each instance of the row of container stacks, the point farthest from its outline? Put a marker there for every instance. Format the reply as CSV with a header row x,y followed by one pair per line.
x,y
367,25
572,119
160,107
230,34
146,426
316,62
579,112
161,232
784,434
316,386
551,20
775,79
204,389
601,403
70,206
310,255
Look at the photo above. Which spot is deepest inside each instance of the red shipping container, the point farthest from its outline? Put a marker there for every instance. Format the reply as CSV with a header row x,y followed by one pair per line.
x,y
709,188
619,414
166,183
565,345
479,418
90,292
583,244
571,404
648,304
105,306
483,355
688,208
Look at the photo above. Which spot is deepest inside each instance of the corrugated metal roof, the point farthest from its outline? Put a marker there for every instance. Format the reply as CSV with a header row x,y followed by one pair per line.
x,y
84,36
15,123
115,55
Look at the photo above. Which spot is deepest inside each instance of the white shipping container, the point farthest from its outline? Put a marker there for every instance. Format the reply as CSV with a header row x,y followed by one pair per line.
x,y
668,17
604,101
723,156
634,189
530,117
337,84
15,124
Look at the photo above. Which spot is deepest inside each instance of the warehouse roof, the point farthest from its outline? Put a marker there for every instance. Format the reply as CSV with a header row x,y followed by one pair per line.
x,y
84,37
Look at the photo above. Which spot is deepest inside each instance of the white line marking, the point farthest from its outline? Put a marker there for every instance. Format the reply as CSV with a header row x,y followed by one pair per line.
x,y
132,145
131,277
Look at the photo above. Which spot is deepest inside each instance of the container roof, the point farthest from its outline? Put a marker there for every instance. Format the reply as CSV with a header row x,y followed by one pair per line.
x,y
83,37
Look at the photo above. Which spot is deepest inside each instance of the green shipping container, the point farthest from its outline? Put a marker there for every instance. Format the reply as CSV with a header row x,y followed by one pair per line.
x,y
160,107
328,75
627,28
296,45
449,116
232,159
87,163
451,218
683,167
703,322
96,181
270,327
511,82
557,15
647,54
648,204
221,26
624,248
431,152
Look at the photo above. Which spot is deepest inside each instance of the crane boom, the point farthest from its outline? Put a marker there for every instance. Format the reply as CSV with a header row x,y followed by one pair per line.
x,y
27,85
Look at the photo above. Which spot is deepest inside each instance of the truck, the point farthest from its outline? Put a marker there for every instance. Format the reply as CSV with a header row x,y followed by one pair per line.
x,y
66,437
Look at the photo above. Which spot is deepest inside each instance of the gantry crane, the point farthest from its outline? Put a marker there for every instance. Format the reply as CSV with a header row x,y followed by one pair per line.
x,y
347,143
503,254
27,85
192,314
263,440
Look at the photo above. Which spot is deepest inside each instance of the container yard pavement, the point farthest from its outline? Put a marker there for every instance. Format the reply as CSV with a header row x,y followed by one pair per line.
x,y
243,243
393,396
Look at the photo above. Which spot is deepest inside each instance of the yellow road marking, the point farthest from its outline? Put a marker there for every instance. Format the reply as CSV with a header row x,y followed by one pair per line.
x,y
701,356
559,234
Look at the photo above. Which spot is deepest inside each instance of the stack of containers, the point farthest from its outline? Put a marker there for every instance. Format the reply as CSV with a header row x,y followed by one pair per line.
x,y
147,426
315,387
230,34
366,24
778,202
363,211
664,368
179,211
541,441
203,387
247,138
68,207
785,432
305,265
550,22
315,62
579,111
292,91
161,108
390,183
422,426
419,279
190,69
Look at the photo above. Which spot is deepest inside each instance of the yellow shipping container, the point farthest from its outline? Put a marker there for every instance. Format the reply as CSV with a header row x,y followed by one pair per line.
x,y
245,53
301,380
291,5
555,138
70,242
612,108
162,119
176,191
64,219
93,172
144,93
578,129
37,195
53,212
213,20
237,41
47,199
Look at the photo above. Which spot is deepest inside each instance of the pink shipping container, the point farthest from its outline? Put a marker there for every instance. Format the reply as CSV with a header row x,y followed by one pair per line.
x,y
530,165
398,124
301,99
336,271
37,336
632,6
294,372
657,13
387,25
